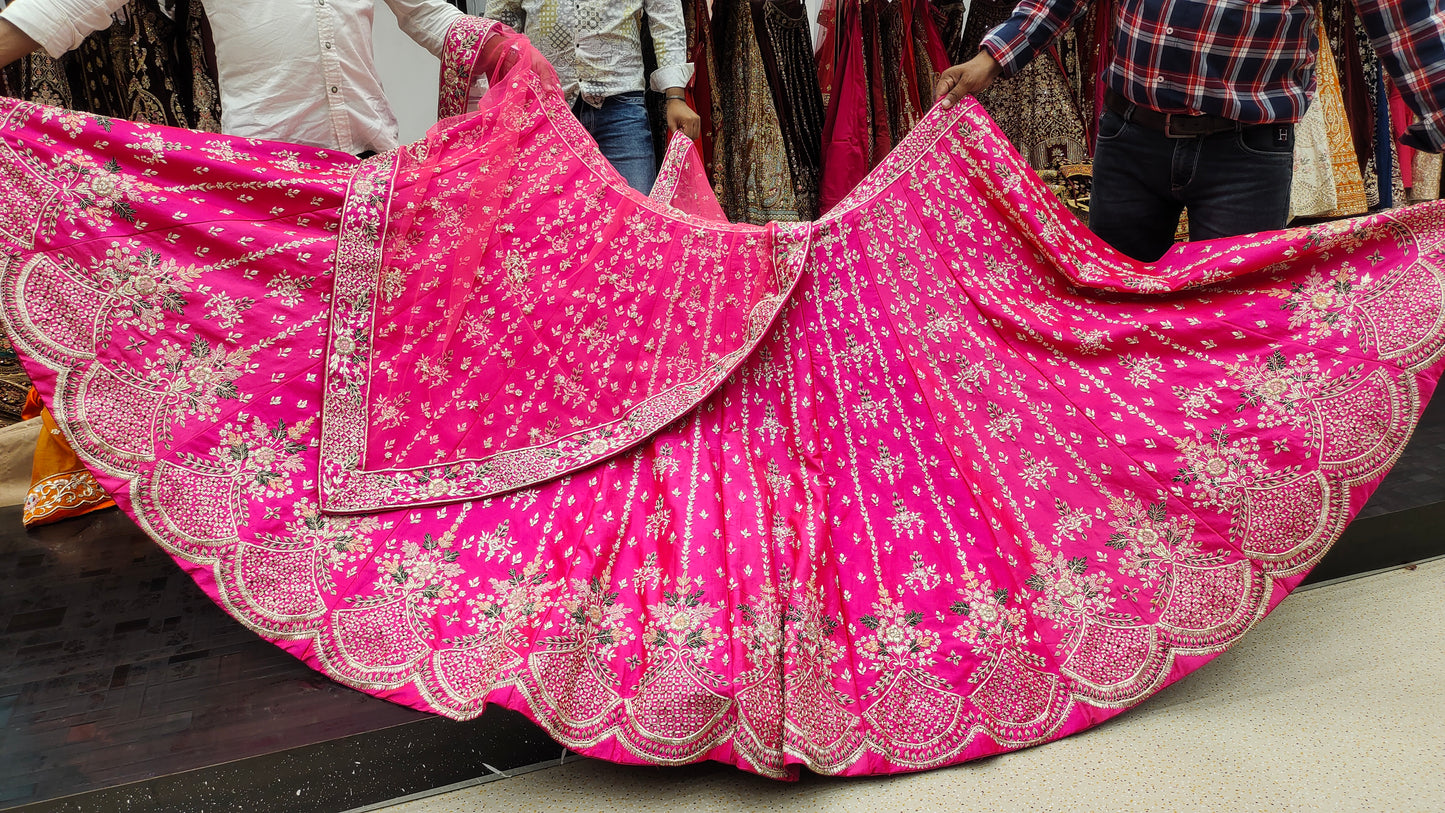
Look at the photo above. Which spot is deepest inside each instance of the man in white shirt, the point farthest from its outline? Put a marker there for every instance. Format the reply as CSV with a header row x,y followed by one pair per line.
x,y
596,47
289,70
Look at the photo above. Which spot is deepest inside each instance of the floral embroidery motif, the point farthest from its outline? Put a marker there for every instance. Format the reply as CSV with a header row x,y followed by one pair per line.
x,y
262,457
1217,469
149,285
1280,388
895,637
991,618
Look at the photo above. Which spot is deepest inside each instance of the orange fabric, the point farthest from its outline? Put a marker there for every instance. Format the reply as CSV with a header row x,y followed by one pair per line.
x,y
1349,185
60,485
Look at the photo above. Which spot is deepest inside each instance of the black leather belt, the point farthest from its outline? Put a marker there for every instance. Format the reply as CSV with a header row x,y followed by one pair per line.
x,y
1172,125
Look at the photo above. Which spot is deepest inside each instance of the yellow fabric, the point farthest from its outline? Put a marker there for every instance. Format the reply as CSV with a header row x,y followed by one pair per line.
x,y
1349,186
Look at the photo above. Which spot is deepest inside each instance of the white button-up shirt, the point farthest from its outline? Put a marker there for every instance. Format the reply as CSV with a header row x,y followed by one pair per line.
x,y
289,70
596,45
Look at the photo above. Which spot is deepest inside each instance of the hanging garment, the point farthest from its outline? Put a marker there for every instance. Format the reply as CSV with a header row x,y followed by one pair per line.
x,y
148,66
699,91
60,485
14,385
848,144
1037,109
1387,159
949,18
934,477
1427,177
786,49
1312,187
1345,168
1419,171
883,74
1400,118
1345,37
752,174
826,49
1096,51
925,56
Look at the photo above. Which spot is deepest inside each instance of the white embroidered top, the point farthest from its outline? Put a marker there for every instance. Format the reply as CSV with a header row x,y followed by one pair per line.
x,y
596,45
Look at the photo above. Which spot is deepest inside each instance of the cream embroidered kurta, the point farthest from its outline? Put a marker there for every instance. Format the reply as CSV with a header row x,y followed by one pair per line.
x,y
596,45
289,70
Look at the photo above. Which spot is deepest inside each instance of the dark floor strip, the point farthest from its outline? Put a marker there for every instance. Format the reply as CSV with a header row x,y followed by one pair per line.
x,y
344,774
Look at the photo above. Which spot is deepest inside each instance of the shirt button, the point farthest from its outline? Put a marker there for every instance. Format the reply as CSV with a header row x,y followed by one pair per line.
x,y
327,45
335,89
1168,31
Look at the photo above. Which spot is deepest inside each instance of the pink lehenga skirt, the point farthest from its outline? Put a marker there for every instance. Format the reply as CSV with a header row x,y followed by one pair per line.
x,y
934,477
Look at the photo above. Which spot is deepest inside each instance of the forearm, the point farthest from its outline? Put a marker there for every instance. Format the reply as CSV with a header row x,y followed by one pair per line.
x,y
1410,37
58,25
1032,28
669,41
14,43
426,21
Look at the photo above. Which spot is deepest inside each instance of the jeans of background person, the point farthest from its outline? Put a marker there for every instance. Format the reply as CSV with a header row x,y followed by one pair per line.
x,y
622,131
1233,182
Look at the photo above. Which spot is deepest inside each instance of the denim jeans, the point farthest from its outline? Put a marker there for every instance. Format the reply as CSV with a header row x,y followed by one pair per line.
x,y
1234,182
623,133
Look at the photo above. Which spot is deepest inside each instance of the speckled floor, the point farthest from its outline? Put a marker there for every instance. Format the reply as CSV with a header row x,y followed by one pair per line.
x,y
1335,703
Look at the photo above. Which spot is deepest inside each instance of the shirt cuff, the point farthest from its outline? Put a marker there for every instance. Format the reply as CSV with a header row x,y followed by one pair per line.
x,y
672,76
57,30
1009,47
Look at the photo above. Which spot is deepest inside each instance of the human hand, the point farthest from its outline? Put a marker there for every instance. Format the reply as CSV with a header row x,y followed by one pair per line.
x,y
682,117
970,77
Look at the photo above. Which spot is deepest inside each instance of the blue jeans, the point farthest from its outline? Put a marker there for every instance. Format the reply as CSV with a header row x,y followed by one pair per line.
x,y
622,131
1234,182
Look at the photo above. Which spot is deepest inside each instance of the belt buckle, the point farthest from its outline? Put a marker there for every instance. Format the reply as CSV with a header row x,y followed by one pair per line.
x,y
1169,119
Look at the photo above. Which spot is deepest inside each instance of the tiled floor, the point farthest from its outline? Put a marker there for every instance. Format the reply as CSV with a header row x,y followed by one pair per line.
x,y
1335,703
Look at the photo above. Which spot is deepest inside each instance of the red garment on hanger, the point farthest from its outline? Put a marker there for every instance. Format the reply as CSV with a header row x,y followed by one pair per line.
x,y
846,133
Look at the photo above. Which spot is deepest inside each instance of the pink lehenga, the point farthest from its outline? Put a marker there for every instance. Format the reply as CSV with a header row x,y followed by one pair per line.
x,y
934,477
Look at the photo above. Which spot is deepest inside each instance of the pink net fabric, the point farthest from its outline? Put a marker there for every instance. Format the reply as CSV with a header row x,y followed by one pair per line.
x,y
947,503
490,319
682,182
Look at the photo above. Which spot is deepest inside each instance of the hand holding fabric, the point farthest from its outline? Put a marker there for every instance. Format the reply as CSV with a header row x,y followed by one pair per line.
x,y
681,116
505,49
968,78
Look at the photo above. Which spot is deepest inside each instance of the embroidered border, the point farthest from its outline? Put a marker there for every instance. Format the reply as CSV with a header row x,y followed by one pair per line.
x,y
347,487
463,48
669,173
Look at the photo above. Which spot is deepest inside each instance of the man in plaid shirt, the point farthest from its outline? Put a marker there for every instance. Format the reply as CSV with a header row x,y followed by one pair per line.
x,y
1201,100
